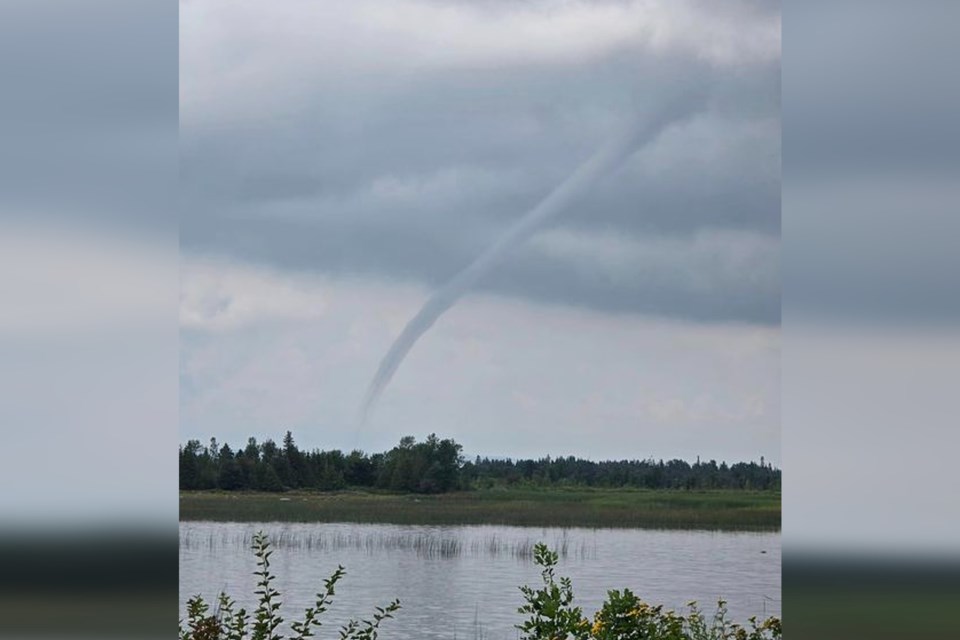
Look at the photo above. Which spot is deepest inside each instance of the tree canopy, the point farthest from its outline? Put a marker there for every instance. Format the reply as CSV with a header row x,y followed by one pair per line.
x,y
437,466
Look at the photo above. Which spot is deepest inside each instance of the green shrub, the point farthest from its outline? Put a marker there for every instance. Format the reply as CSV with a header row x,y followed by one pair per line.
x,y
623,616
227,624
550,609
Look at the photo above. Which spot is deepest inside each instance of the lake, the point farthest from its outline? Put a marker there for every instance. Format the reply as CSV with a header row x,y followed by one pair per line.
x,y
462,581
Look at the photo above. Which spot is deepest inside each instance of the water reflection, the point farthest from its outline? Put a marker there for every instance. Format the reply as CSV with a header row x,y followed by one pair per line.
x,y
461,581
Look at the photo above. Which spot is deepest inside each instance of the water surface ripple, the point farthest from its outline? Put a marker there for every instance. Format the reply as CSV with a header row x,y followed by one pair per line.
x,y
461,581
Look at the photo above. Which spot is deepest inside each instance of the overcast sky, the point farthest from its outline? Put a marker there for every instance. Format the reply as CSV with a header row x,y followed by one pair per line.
x,y
340,160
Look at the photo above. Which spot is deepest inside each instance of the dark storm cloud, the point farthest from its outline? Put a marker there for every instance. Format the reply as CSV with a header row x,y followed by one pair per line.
x,y
410,173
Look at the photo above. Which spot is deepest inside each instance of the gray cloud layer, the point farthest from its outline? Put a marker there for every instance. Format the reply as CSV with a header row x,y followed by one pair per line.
x,y
378,147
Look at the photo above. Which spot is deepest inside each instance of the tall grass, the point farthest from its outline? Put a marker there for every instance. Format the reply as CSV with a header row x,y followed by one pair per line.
x,y
423,544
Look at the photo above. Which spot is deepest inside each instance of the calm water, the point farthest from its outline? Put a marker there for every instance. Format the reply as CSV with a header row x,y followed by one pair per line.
x,y
461,582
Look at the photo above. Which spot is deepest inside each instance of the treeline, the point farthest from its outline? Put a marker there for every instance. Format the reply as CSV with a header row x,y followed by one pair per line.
x,y
645,474
437,466
432,466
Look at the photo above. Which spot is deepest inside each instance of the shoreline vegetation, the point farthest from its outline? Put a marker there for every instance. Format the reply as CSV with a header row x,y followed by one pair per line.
x,y
432,483
724,510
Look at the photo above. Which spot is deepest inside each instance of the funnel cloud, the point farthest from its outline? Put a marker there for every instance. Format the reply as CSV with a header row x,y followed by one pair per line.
x,y
561,198
340,167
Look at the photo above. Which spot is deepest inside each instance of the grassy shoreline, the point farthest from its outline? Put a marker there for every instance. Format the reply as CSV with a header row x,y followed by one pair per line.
x,y
555,507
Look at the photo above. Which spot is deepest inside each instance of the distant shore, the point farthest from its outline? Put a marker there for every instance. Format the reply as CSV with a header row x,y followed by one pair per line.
x,y
729,510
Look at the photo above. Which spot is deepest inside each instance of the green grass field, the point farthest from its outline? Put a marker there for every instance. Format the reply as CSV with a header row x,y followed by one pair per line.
x,y
559,507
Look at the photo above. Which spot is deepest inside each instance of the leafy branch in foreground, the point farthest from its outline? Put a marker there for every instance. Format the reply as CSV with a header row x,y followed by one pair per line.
x,y
623,616
227,624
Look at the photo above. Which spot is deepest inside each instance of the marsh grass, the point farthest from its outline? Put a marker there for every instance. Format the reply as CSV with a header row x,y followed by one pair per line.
x,y
424,544
556,507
